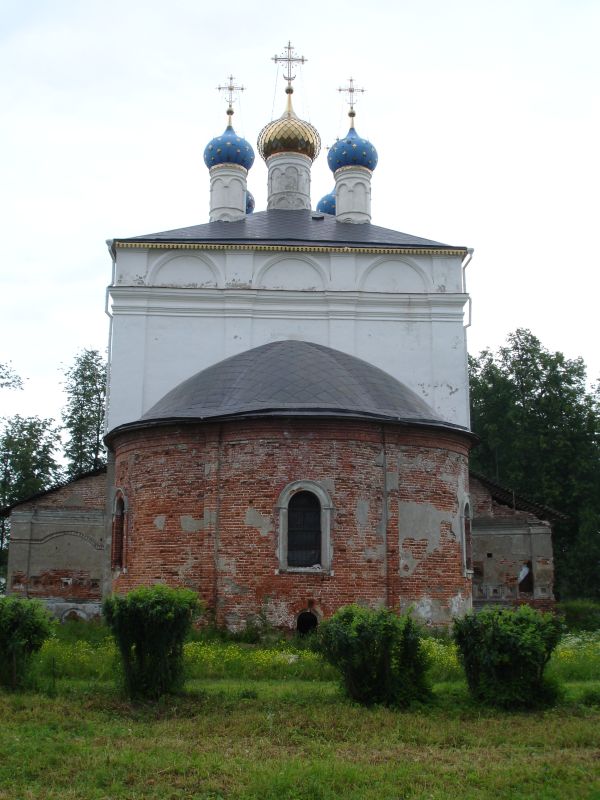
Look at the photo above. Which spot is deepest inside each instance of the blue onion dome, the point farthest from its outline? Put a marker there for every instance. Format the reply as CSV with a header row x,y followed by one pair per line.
x,y
229,148
326,204
250,204
352,150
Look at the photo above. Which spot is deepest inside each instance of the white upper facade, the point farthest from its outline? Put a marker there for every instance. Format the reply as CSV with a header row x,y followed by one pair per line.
x,y
177,311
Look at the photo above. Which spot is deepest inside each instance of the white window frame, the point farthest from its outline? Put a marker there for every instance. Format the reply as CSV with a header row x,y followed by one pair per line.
x,y
326,515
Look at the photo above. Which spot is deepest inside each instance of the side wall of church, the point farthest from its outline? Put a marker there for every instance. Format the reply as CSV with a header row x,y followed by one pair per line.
x,y
505,540
176,312
203,510
56,547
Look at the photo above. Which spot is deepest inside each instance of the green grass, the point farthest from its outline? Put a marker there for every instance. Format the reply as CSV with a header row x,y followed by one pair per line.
x,y
287,740
271,723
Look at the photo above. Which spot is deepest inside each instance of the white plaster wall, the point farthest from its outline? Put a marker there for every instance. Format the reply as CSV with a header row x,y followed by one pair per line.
x,y
177,312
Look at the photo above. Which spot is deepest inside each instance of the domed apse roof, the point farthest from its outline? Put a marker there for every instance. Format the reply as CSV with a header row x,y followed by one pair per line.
x,y
292,378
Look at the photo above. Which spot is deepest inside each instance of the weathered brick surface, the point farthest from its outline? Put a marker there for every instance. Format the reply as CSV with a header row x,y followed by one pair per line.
x,y
69,584
201,512
83,493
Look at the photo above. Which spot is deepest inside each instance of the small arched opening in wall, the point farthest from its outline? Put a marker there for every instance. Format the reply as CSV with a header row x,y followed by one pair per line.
x,y
73,615
307,622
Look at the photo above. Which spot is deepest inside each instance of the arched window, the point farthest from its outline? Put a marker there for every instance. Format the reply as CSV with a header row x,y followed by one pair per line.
x,y
118,533
305,512
466,540
304,530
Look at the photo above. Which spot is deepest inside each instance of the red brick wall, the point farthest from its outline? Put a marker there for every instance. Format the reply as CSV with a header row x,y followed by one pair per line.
x,y
189,490
83,493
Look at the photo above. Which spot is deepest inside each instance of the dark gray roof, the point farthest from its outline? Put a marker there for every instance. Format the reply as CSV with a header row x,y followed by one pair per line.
x,y
292,378
290,228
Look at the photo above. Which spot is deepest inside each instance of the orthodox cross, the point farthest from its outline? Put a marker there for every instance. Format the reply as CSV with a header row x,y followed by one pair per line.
x,y
231,89
350,90
290,59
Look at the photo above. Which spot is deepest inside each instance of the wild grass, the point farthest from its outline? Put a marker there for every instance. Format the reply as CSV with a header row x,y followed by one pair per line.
x,y
290,740
80,651
272,723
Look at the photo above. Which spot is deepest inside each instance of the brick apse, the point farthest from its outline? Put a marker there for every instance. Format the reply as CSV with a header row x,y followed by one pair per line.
x,y
208,505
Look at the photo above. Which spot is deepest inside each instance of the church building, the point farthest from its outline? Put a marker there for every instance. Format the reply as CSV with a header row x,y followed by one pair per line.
x,y
288,410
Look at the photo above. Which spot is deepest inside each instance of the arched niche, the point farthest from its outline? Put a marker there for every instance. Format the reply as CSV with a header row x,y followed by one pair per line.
x,y
290,273
394,276
184,270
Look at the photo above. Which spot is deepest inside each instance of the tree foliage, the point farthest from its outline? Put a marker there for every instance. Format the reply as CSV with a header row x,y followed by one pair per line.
x,y
83,416
27,460
540,435
9,378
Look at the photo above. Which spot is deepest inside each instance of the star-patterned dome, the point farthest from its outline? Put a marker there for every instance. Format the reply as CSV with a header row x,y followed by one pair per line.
x,y
229,148
250,204
352,150
326,204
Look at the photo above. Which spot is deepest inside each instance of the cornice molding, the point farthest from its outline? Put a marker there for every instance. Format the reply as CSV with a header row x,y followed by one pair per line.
x,y
290,248
265,303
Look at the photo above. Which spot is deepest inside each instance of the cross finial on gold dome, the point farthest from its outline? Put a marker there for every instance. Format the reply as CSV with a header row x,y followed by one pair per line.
x,y
350,90
290,59
231,90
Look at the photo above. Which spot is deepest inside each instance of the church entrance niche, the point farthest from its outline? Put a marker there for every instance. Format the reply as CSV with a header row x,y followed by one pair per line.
x,y
304,530
307,622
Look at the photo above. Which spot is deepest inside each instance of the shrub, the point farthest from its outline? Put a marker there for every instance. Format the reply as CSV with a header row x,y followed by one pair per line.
x,y
378,653
504,653
24,626
580,615
149,626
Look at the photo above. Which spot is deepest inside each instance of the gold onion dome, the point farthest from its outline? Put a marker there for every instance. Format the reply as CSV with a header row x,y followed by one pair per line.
x,y
289,134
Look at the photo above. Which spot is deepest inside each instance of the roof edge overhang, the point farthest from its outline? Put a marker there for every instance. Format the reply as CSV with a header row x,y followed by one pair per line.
x,y
299,247
426,424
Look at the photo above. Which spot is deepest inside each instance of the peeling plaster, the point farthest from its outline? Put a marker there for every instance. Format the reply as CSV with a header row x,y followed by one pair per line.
x,y
420,522
257,520
193,524
278,613
391,481
362,513
231,587
227,564
187,565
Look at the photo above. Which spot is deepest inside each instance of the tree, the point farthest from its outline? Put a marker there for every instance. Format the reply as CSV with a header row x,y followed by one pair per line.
x,y
9,378
83,416
540,435
27,463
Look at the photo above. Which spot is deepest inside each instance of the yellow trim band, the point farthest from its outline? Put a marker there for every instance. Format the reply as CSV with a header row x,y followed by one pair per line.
x,y
270,248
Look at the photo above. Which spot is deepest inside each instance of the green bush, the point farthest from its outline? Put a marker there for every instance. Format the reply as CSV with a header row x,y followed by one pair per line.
x,y
580,615
378,653
24,626
504,653
149,626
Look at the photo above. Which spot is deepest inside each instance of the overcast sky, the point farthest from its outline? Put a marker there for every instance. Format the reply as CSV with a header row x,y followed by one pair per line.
x,y
485,116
